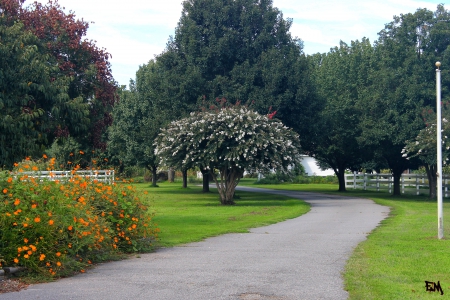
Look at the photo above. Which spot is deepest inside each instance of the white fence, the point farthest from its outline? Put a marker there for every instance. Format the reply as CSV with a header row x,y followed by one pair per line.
x,y
409,183
106,176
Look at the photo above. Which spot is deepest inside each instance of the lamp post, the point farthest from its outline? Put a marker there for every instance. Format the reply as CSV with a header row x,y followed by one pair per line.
x,y
439,152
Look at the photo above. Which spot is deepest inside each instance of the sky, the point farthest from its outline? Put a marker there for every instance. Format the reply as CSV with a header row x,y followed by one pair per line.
x,y
134,31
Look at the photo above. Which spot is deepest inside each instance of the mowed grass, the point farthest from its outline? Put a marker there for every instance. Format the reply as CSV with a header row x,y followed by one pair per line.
x,y
399,255
188,215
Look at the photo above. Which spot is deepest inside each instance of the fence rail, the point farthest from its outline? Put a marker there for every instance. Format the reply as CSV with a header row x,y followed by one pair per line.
x,y
409,183
106,176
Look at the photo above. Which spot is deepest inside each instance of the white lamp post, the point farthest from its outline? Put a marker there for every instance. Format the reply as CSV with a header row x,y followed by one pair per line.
x,y
439,152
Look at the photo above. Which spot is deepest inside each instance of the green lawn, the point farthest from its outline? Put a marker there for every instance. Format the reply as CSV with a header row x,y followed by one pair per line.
x,y
401,254
188,215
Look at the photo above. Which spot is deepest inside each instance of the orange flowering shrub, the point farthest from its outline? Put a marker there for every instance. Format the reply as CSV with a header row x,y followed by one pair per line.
x,y
56,228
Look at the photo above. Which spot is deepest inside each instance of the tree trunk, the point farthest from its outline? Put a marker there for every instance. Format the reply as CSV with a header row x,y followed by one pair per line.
x,y
397,175
341,178
432,180
229,179
153,169
184,178
170,175
205,175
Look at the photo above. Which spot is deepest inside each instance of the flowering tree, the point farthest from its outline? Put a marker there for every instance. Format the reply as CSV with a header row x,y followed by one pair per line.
x,y
228,140
424,145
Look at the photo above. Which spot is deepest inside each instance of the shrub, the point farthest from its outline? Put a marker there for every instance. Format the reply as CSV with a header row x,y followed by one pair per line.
x,y
56,228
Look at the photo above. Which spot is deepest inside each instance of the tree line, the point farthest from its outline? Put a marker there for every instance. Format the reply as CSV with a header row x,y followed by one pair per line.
x,y
356,107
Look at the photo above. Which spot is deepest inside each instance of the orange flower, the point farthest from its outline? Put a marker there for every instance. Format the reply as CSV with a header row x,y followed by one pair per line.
x,y
70,227
49,214
47,264
81,152
34,168
37,219
33,247
58,254
71,154
44,156
58,264
16,164
30,252
50,222
25,225
82,271
26,256
42,257
16,260
5,191
16,202
33,206
10,179
25,240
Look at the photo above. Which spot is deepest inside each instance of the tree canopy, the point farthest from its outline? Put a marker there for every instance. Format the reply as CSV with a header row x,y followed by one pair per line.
x,y
239,50
63,86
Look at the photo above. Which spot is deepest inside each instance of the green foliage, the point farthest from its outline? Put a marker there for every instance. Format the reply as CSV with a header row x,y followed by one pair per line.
x,y
52,83
230,139
55,228
239,50
25,76
403,83
341,77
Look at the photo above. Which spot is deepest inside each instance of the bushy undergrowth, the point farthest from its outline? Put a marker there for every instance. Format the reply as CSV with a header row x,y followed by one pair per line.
x,y
56,228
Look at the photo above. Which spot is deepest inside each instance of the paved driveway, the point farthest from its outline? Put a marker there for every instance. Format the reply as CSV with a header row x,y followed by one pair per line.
x,y
301,258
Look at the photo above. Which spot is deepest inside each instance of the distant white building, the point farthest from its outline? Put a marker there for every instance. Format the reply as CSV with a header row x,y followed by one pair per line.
x,y
311,167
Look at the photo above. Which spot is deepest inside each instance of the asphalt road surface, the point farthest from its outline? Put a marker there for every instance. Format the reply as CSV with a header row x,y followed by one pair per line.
x,y
301,258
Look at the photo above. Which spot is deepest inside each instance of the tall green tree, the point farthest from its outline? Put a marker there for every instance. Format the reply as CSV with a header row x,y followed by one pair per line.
x,y
133,132
403,83
240,50
341,77
70,84
30,94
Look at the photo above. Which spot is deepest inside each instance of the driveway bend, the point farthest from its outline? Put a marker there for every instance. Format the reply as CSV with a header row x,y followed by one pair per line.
x,y
301,258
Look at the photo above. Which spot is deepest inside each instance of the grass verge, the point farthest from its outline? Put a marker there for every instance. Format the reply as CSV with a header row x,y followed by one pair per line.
x,y
401,254
188,215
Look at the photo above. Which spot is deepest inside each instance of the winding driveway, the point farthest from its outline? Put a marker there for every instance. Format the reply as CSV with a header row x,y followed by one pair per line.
x,y
302,258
